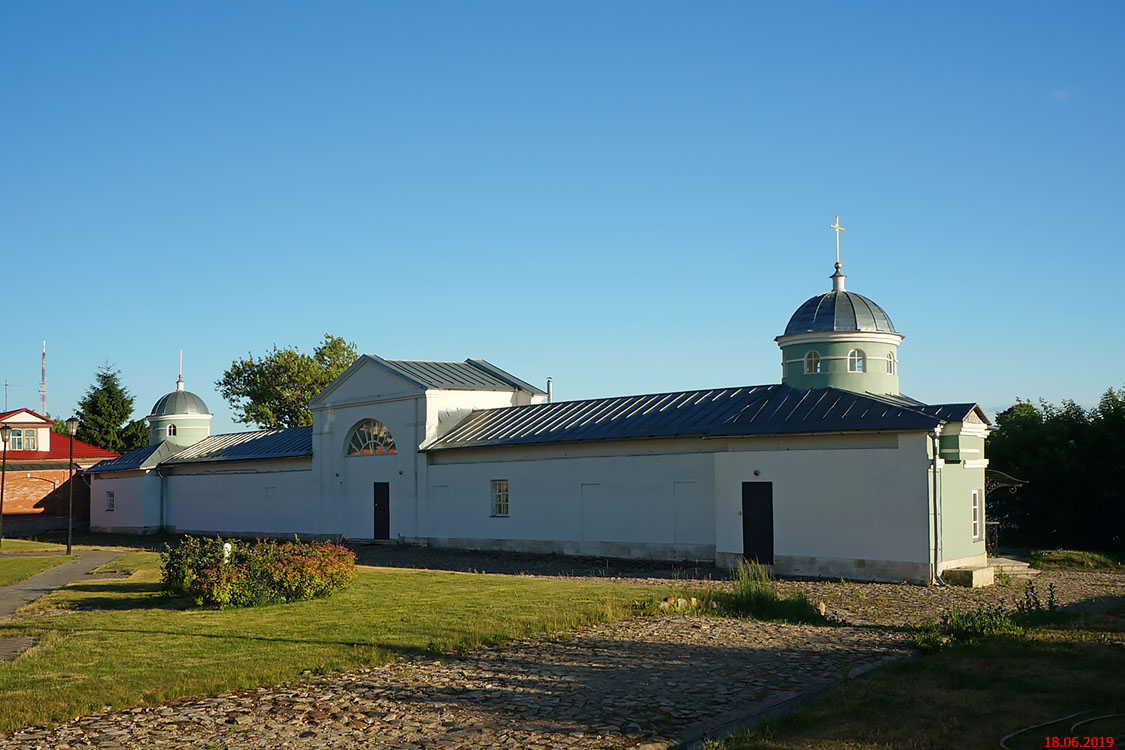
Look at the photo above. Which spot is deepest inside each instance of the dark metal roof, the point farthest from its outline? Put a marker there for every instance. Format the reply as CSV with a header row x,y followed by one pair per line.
x,y
142,458
726,412
294,442
470,375
179,402
839,311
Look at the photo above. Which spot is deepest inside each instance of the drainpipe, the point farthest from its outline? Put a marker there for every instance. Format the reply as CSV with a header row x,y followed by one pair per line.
x,y
160,474
934,436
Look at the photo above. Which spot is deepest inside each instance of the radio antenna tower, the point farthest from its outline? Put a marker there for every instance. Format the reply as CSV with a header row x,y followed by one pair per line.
x,y
43,383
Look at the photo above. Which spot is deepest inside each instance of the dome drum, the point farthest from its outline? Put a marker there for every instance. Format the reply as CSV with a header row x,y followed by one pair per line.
x,y
840,339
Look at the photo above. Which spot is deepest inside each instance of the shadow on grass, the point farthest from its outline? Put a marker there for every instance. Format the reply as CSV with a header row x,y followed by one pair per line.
x,y
124,595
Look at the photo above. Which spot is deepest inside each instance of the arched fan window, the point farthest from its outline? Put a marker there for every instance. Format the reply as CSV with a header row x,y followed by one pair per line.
x,y
857,361
171,430
812,362
369,438
891,363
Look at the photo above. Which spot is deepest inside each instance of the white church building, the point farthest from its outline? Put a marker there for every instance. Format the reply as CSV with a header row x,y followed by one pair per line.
x,y
833,472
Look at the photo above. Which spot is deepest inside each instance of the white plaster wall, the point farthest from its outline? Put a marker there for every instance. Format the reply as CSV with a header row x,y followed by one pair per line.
x,y
444,409
245,497
646,499
136,502
346,483
848,497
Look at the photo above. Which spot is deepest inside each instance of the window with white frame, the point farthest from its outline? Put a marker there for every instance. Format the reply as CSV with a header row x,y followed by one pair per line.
x,y
978,515
857,361
500,497
891,363
171,430
109,500
23,440
812,362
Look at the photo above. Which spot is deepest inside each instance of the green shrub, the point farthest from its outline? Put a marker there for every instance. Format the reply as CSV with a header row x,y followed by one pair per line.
x,y
929,638
756,596
181,564
984,622
261,572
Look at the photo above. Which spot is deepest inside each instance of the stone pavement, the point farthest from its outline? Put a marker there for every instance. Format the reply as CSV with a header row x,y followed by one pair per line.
x,y
651,682
15,596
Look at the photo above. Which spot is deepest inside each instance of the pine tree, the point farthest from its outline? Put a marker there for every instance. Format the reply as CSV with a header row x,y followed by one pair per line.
x,y
103,415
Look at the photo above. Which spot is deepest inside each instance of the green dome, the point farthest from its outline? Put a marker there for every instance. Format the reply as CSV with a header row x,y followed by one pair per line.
x,y
179,402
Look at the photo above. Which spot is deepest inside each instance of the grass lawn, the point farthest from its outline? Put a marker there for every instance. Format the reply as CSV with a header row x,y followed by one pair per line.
x,y
139,646
16,569
968,696
1070,559
25,545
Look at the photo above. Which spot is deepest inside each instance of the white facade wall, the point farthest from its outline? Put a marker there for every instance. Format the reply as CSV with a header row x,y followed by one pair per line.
x,y
629,504
136,496
853,506
245,498
848,505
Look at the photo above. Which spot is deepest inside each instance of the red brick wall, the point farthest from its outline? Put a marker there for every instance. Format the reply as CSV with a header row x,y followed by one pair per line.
x,y
44,492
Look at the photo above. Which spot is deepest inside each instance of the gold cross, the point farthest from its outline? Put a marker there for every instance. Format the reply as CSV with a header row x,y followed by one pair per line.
x,y
838,229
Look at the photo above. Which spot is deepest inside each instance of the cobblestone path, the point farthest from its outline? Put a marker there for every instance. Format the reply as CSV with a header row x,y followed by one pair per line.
x,y
640,683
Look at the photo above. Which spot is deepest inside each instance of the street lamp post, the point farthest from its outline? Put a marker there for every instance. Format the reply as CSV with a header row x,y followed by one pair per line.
x,y
71,429
5,436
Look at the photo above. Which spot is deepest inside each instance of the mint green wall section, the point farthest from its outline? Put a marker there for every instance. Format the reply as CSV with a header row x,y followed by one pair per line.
x,y
957,484
189,429
834,367
961,447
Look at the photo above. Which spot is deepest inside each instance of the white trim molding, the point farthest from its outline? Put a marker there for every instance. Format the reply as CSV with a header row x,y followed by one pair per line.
x,y
976,463
828,337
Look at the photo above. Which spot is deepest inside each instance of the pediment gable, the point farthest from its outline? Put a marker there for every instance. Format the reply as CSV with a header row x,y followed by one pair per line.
x,y
367,380
24,417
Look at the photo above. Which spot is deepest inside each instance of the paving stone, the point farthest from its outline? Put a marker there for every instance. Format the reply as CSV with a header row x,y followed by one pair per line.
x,y
629,684
635,684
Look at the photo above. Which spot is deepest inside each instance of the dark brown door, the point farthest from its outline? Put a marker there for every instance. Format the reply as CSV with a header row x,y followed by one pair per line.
x,y
757,521
382,510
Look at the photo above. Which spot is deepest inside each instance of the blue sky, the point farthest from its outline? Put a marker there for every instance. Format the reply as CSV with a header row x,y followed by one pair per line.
x,y
630,197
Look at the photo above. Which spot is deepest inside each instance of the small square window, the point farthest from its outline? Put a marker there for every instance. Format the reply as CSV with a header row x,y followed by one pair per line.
x,y
500,497
109,500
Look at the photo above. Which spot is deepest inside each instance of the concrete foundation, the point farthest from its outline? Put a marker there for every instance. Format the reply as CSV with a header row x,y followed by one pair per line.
x,y
622,550
886,571
973,577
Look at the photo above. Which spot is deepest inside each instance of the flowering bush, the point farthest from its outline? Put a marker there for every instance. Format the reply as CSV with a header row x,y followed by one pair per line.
x,y
262,572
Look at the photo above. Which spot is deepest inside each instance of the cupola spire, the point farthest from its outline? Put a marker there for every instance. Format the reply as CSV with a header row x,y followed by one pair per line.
x,y
838,277
180,379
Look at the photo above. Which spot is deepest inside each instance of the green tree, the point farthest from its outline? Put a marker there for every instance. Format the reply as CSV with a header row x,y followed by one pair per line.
x,y
274,391
103,415
1073,460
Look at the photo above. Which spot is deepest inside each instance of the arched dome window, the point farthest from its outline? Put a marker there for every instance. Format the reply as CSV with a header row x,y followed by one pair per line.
x,y
171,430
892,365
857,361
812,362
370,437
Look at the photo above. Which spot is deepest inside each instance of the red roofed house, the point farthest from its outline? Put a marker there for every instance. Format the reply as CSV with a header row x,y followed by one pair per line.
x,y
35,483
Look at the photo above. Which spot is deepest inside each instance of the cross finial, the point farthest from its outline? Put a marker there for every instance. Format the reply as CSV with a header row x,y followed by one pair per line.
x,y
838,229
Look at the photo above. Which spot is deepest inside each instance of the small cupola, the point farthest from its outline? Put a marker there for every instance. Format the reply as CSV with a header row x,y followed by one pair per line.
x,y
840,339
179,417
